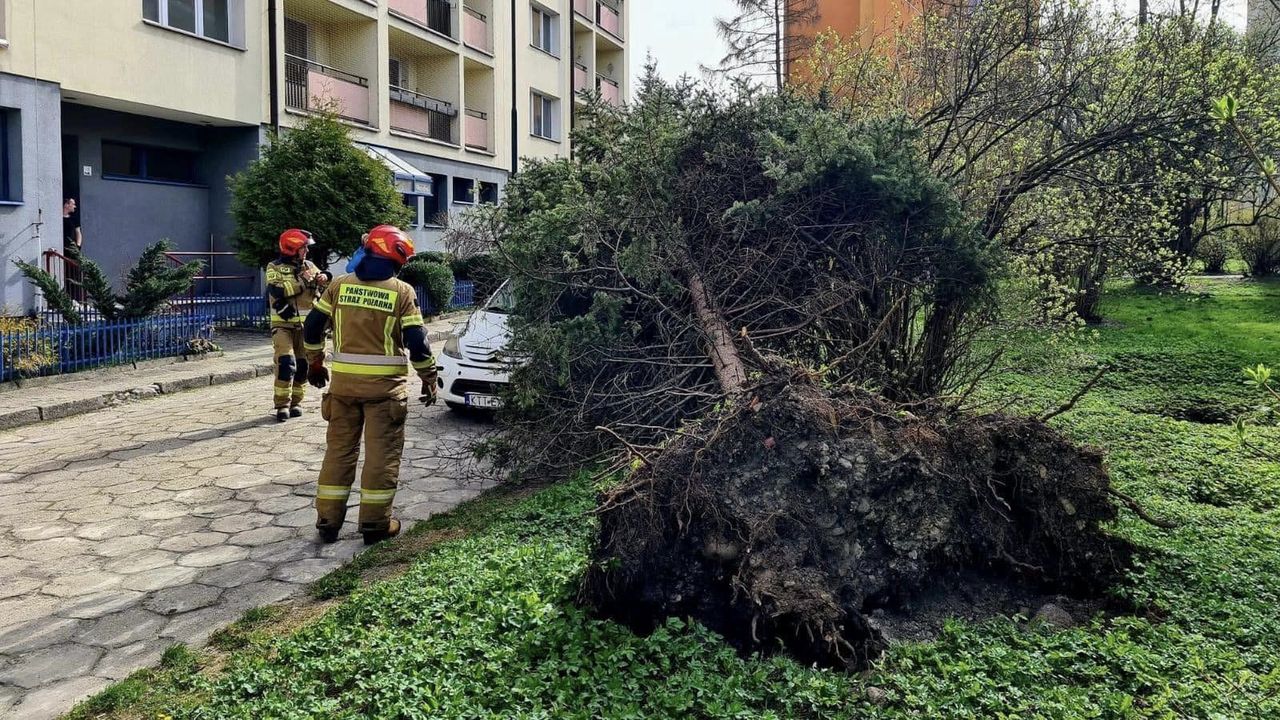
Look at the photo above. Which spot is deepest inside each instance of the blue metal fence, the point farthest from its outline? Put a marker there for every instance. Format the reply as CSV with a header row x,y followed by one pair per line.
x,y
464,296
228,311
65,348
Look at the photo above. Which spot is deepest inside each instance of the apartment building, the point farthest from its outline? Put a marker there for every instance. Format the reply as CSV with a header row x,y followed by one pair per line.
x,y
140,109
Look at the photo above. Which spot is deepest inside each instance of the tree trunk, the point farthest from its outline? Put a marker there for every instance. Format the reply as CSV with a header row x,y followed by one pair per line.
x,y
778,29
725,358
1092,275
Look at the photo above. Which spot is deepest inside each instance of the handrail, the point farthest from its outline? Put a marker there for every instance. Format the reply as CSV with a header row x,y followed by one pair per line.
x,y
174,256
614,5
51,253
609,80
478,114
72,282
476,13
332,72
580,66
423,101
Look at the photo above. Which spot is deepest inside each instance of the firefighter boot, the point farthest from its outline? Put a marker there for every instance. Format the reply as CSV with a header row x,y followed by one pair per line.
x,y
376,536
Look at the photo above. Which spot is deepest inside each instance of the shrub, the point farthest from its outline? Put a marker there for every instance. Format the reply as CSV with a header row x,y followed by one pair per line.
x,y
435,279
434,256
485,271
23,351
1214,251
149,285
55,296
1260,246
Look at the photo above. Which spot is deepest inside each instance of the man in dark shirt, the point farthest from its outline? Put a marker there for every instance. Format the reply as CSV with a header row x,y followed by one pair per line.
x,y
72,242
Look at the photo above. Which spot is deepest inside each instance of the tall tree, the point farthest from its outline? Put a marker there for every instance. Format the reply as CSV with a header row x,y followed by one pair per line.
x,y
766,36
312,177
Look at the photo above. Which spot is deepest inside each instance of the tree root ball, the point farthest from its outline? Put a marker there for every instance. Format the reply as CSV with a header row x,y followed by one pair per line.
x,y
793,520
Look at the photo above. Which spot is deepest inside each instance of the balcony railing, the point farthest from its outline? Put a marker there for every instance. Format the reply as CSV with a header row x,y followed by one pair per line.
x,y
609,18
475,30
581,78
310,85
423,115
583,8
436,15
475,130
609,90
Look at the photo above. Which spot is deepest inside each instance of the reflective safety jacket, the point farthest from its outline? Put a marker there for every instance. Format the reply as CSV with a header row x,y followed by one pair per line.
x,y
291,297
377,327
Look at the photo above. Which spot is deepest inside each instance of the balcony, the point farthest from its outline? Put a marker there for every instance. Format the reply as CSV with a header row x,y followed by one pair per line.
x,y
475,30
609,18
583,8
422,115
310,85
436,15
581,78
609,90
475,130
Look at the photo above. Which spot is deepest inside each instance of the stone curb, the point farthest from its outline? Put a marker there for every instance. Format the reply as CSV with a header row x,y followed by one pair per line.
x,y
79,406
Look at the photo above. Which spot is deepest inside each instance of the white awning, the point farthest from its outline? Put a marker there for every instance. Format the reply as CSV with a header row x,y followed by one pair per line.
x,y
408,178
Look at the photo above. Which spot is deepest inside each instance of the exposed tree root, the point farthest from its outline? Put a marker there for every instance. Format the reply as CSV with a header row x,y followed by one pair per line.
x,y
788,520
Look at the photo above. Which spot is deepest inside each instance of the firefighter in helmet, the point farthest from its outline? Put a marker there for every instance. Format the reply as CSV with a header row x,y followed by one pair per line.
x,y
293,284
375,321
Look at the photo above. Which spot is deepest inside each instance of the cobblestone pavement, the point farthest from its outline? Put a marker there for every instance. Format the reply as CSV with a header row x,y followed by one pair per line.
x,y
133,528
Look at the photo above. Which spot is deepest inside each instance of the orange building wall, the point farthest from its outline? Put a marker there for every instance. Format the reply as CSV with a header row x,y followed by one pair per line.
x,y
848,17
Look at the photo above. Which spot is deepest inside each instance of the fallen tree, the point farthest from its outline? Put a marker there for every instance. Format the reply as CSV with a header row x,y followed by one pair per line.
x,y
758,312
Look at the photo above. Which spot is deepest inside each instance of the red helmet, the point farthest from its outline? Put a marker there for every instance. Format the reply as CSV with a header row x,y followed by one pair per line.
x,y
293,240
390,242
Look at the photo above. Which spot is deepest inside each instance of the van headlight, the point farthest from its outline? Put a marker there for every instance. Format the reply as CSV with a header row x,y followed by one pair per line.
x,y
453,348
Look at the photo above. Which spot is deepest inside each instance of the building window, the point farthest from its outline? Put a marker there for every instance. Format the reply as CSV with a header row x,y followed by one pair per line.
x,y
137,162
207,18
399,73
297,38
413,201
546,116
10,155
436,206
464,191
546,35
488,193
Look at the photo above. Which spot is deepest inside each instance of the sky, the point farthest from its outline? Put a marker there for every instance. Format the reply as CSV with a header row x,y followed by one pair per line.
x,y
681,34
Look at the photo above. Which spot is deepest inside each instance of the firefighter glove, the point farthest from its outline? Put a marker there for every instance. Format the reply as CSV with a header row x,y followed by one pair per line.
x,y
318,374
428,389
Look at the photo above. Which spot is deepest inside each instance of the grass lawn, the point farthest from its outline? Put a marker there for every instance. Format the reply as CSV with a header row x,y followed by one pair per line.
x,y
482,624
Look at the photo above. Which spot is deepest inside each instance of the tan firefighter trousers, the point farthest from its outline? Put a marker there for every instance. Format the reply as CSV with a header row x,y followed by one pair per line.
x,y
382,422
290,359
